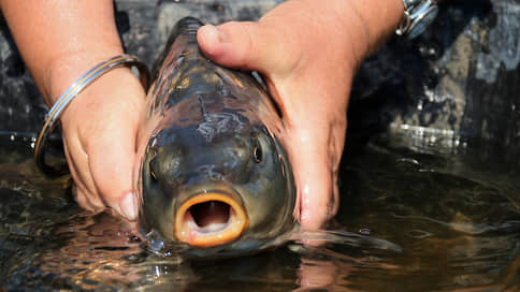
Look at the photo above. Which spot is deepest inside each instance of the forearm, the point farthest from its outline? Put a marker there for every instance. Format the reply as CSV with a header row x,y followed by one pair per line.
x,y
334,35
368,23
379,19
364,24
60,39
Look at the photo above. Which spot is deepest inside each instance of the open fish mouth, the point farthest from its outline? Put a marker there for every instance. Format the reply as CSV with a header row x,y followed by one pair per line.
x,y
210,219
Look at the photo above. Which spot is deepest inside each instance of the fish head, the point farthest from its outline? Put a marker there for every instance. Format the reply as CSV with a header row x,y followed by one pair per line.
x,y
217,181
213,174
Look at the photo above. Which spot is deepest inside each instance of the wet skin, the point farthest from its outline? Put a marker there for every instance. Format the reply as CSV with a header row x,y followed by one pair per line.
x,y
215,179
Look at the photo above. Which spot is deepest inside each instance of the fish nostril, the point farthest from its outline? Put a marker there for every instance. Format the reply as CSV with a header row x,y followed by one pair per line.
x,y
151,171
211,216
153,177
257,153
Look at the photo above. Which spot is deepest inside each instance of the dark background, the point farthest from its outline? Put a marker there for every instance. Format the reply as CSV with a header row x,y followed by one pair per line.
x,y
455,87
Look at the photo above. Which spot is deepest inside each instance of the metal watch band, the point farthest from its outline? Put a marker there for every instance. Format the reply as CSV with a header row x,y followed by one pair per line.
x,y
418,15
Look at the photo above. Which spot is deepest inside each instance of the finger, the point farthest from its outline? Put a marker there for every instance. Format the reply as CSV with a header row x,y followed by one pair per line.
x,y
111,161
313,177
85,193
107,128
315,149
111,167
86,199
246,45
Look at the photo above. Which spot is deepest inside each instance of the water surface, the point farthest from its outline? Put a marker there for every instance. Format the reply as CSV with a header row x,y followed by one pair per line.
x,y
409,221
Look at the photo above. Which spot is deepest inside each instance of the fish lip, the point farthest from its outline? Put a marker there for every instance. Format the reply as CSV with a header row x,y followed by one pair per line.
x,y
187,231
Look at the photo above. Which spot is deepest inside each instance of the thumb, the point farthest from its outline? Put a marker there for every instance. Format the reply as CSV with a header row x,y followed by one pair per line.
x,y
245,45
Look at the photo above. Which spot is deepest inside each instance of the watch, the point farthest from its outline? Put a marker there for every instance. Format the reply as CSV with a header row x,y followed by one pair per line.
x,y
418,15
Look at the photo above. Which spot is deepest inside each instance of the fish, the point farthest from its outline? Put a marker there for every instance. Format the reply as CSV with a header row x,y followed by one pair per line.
x,y
214,177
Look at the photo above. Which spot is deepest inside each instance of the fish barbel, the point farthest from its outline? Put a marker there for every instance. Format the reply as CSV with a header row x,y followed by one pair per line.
x,y
214,178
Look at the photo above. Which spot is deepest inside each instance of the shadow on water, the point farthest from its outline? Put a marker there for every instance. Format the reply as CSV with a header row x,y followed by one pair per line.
x,y
408,222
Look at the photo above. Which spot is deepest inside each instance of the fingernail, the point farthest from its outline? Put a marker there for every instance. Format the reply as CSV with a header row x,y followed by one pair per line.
x,y
128,206
213,35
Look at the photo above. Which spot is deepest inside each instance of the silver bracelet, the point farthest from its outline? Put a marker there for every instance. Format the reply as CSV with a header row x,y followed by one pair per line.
x,y
68,96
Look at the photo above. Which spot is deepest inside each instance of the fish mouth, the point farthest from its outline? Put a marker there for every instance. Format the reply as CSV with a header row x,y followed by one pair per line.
x,y
209,219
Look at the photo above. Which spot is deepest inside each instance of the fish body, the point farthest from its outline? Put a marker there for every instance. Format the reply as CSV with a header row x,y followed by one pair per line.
x,y
215,180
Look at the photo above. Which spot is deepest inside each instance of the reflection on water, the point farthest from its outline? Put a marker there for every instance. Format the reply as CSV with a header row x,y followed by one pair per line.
x,y
408,222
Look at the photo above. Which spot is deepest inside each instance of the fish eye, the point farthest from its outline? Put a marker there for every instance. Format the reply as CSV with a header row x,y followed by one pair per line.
x,y
257,153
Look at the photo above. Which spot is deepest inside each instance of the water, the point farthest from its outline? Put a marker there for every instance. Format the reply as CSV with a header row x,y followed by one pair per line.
x,y
408,221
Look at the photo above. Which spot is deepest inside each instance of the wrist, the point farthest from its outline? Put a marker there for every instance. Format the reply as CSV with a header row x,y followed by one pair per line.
x,y
62,72
117,87
115,91
378,20
357,26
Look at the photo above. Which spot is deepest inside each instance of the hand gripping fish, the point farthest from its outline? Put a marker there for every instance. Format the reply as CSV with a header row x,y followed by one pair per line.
x,y
214,177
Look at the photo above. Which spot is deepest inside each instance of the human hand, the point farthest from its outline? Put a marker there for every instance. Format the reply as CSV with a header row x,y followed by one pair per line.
x,y
308,52
60,41
99,131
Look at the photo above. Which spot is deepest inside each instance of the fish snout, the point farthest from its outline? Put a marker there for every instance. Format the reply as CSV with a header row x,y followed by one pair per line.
x,y
209,219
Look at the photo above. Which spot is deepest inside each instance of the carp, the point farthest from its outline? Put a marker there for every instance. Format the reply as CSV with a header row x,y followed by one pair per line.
x,y
214,177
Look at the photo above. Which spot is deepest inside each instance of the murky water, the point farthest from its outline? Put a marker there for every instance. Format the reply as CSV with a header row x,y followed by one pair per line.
x,y
408,222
